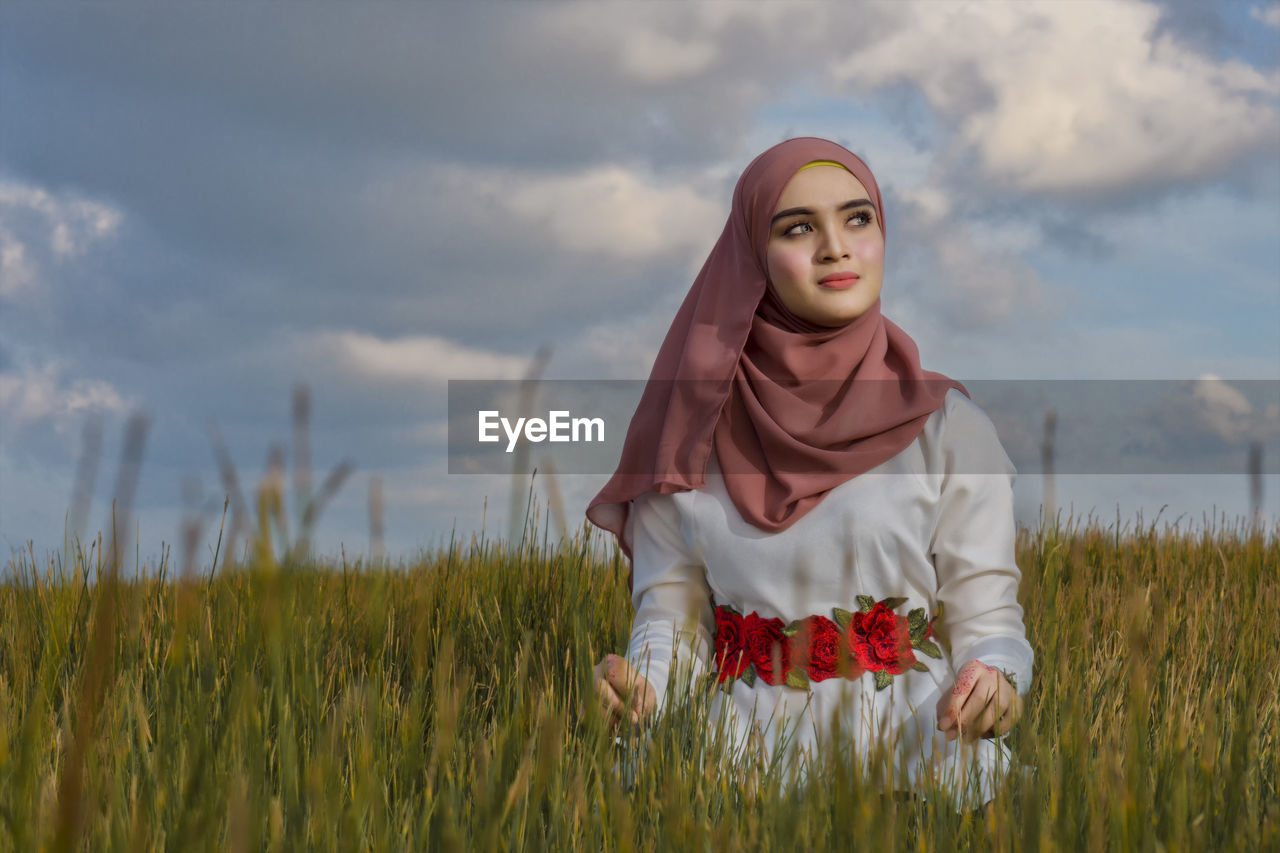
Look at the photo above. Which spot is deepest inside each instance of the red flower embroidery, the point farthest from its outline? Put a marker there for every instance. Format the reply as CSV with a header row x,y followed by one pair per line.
x,y
731,657
817,648
767,647
880,639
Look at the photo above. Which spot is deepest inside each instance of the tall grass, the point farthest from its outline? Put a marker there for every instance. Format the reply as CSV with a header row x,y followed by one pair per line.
x,y
442,704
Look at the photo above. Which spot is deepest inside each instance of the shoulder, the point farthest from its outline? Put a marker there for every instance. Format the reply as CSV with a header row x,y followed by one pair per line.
x,y
659,515
960,437
961,413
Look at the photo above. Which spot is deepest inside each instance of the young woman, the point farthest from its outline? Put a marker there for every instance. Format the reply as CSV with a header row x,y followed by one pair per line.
x,y
810,515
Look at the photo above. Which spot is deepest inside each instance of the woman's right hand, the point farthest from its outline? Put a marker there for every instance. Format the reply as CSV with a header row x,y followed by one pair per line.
x,y
623,692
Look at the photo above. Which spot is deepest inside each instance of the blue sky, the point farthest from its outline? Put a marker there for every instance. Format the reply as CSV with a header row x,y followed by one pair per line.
x,y
202,205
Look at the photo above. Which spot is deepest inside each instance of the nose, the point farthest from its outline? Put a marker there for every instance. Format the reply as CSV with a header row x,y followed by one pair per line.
x,y
832,246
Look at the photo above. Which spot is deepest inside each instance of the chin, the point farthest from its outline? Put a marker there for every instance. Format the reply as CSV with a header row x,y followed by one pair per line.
x,y
841,318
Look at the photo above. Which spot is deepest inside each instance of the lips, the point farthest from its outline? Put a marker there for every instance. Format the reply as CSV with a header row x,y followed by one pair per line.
x,y
839,280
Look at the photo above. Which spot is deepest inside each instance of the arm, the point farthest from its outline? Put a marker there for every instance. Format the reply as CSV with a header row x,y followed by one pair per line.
x,y
973,549
673,620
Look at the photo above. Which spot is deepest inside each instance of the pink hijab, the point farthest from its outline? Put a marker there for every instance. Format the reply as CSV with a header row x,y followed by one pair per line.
x,y
792,409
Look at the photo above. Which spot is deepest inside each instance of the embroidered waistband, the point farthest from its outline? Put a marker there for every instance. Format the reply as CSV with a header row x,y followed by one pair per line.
x,y
874,639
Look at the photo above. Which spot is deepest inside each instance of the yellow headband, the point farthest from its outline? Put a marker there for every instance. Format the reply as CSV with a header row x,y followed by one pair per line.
x,y
821,163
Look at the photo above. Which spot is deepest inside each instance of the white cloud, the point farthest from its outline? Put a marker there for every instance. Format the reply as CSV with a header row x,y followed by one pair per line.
x,y
654,57
1269,15
1200,420
664,44
1061,97
1074,97
984,287
410,359
931,202
41,395
1216,408
39,230
608,211
526,238
969,273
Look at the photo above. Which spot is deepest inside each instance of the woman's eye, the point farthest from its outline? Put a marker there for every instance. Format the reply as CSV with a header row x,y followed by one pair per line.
x,y
860,218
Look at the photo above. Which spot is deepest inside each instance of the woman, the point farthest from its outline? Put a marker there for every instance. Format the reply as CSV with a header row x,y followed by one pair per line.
x,y
799,499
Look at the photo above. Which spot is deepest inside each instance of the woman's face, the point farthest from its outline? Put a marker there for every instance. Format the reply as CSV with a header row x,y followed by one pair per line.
x,y
826,251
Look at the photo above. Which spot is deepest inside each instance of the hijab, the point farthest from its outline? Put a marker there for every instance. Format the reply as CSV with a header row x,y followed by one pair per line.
x,y
792,409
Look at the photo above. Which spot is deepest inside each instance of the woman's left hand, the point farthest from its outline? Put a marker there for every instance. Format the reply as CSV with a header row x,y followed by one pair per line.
x,y
982,704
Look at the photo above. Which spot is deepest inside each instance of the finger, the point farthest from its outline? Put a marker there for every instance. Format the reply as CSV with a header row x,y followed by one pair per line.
x,y
944,715
1002,708
948,709
648,698
980,698
953,704
611,702
985,726
975,705
620,674
623,676
609,698
636,696
985,721
1008,701
630,684
1010,716
1002,725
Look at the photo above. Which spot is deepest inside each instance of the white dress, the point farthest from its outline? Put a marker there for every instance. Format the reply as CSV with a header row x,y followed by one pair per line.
x,y
934,524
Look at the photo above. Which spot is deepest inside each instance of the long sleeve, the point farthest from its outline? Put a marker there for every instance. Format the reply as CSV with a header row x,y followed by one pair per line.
x,y
973,548
673,620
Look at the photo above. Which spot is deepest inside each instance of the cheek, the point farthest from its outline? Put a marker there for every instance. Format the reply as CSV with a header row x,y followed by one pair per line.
x,y
786,267
870,251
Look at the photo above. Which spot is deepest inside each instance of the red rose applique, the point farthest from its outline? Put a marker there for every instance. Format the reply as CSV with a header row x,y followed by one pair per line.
x,y
768,648
880,640
731,654
817,648
814,648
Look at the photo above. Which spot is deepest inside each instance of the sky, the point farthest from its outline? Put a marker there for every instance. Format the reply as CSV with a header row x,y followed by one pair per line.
x,y
206,205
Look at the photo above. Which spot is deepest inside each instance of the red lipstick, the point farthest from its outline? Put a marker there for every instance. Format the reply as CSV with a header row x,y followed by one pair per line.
x,y
839,280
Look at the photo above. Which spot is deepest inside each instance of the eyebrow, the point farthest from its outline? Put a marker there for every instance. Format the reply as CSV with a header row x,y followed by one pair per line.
x,y
804,211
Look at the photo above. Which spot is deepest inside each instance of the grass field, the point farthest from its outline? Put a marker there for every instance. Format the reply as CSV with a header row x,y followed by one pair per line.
x,y
436,705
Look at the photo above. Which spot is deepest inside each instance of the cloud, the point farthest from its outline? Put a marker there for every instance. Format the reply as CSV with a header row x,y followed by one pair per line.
x,y
605,212
1211,409
375,200
1080,99
655,57
610,211
1269,15
411,360
41,395
40,230
531,85
963,273
1207,419
372,182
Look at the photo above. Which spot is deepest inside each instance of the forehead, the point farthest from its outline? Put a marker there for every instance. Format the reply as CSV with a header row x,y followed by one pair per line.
x,y
820,186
